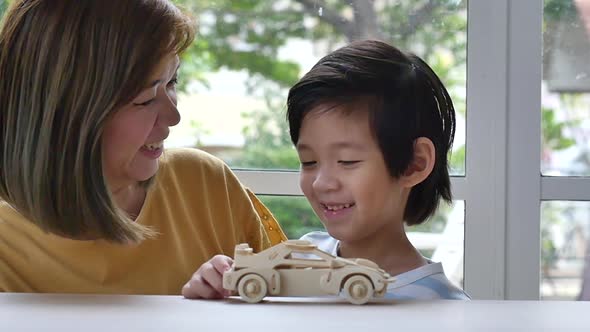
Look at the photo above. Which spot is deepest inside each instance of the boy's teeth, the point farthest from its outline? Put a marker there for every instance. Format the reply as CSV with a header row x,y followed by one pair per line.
x,y
338,207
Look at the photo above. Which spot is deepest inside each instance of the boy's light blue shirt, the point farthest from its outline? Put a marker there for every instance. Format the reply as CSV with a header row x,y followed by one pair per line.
x,y
427,282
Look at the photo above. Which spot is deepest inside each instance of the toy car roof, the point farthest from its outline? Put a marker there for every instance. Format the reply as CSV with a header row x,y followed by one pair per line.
x,y
243,251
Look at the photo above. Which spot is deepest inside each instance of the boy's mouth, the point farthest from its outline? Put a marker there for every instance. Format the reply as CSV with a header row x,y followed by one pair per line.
x,y
336,207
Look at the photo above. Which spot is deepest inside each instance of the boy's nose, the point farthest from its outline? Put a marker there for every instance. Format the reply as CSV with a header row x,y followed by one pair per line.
x,y
325,181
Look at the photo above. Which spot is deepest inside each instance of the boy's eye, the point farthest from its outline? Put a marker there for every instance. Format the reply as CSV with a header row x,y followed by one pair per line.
x,y
348,162
307,163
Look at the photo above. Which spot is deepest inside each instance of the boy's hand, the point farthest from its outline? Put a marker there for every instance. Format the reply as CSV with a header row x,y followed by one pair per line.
x,y
206,283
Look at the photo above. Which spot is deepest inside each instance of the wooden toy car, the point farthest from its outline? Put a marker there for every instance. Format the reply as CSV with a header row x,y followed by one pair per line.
x,y
299,268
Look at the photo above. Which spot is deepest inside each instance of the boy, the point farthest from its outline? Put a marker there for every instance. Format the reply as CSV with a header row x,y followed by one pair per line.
x,y
372,127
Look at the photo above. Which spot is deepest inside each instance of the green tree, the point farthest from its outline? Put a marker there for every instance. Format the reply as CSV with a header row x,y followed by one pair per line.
x,y
3,7
432,29
247,35
558,12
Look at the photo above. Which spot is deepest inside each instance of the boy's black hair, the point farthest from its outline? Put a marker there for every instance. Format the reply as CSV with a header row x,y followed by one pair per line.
x,y
406,101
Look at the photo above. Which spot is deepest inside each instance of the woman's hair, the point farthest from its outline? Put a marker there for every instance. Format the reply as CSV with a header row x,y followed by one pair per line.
x,y
65,66
406,100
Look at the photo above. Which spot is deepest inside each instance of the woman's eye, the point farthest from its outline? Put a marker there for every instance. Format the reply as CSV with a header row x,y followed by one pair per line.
x,y
144,103
307,163
173,82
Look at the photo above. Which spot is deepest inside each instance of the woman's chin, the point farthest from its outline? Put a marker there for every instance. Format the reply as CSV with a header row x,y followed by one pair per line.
x,y
145,173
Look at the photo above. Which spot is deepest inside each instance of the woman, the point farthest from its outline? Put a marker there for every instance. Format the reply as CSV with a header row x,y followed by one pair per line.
x,y
90,201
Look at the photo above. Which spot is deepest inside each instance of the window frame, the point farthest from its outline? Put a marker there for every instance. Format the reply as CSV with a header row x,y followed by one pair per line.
x,y
503,186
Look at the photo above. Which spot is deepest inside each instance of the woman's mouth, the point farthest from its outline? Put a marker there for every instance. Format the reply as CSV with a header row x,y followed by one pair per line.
x,y
152,150
153,146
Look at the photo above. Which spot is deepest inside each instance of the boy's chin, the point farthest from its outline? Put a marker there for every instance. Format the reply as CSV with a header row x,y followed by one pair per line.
x,y
339,233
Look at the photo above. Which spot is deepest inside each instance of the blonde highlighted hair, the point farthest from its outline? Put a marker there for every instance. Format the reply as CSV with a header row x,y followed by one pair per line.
x,y
65,66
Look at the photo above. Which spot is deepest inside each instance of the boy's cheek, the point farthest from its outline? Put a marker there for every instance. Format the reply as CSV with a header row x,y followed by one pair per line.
x,y
305,183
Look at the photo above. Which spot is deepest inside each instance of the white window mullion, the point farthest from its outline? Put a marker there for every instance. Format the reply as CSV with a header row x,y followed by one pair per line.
x,y
271,182
565,188
486,148
459,188
524,150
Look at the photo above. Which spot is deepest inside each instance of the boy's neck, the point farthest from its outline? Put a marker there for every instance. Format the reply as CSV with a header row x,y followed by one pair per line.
x,y
395,255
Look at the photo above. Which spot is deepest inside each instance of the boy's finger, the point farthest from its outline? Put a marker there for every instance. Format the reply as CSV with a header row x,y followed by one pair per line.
x,y
197,288
214,279
221,263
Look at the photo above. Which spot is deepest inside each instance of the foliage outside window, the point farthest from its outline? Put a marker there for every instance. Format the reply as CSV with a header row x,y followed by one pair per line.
x,y
249,36
565,146
252,37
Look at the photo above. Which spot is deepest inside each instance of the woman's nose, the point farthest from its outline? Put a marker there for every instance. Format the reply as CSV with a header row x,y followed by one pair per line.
x,y
169,114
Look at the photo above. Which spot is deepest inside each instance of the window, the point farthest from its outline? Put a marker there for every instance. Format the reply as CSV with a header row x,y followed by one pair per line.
x,y
248,54
566,88
565,229
525,140
565,150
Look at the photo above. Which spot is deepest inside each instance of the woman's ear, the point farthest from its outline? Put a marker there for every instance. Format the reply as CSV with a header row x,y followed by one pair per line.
x,y
422,163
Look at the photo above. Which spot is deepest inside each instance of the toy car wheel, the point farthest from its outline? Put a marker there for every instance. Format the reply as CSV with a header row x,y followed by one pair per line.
x,y
358,289
252,288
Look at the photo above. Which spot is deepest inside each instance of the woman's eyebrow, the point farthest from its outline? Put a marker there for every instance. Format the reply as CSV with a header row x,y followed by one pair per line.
x,y
151,85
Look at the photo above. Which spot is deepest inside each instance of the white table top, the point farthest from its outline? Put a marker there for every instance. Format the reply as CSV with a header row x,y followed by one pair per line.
x,y
106,313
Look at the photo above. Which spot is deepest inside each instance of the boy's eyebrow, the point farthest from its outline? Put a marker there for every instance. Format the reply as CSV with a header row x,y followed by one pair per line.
x,y
336,145
347,145
300,146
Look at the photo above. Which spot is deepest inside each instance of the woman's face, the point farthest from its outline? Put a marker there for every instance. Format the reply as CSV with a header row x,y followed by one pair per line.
x,y
133,135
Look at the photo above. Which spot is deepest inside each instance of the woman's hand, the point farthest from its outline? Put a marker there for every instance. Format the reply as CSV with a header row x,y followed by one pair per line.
x,y
206,283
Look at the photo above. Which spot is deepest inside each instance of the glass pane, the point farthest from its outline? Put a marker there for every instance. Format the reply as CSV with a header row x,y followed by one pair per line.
x,y
566,88
248,53
294,214
565,227
440,238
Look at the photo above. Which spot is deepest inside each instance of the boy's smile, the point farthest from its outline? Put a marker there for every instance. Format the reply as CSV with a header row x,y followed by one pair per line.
x,y
337,210
344,175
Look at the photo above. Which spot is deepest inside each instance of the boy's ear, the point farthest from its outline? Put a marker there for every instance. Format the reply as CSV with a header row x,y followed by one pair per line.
x,y
422,163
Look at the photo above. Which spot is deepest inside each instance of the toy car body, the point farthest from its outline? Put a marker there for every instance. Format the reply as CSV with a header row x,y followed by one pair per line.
x,y
299,268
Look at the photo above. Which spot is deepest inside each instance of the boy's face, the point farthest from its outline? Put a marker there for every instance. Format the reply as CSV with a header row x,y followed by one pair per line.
x,y
344,176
